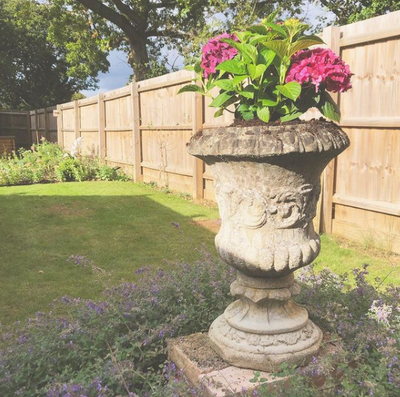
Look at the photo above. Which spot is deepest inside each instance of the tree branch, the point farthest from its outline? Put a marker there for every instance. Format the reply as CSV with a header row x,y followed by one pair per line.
x,y
164,33
131,14
108,13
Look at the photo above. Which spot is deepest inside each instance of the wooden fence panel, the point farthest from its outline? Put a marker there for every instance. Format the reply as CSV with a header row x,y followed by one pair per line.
x,y
166,124
43,124
16,124
366,197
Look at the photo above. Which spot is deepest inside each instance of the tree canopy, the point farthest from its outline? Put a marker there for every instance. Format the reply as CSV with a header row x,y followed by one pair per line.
x,y
348,11
144,27
35,71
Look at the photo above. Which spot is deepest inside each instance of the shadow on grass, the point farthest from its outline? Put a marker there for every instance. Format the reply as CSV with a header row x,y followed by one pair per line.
x,y
119,233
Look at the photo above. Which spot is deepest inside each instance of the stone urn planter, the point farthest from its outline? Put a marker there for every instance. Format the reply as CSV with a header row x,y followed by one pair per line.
x,y
267,184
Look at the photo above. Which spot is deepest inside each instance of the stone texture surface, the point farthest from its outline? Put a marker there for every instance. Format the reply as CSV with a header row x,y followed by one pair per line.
x,y
267,184
203,368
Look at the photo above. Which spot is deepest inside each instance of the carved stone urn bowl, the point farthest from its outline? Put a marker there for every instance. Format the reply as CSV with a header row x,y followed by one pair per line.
x,y
267,184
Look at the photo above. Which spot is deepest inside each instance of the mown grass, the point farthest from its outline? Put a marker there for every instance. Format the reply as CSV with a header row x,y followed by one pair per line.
x,y
121,227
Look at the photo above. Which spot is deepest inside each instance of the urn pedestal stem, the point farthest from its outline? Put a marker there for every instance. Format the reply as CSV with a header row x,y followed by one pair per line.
x,y
267,184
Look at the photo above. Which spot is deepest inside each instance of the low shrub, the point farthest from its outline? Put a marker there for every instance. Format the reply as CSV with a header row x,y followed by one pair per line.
x,y
47,162
118,346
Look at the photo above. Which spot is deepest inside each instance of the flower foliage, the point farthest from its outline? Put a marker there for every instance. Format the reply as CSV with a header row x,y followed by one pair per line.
x,y
322,68
267,72
216,52
117,346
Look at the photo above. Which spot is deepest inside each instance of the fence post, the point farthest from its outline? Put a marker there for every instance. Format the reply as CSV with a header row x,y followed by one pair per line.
x,y
137,144
60,136
102,126
77,121
198,165
36,126
331,36
46,124
29,127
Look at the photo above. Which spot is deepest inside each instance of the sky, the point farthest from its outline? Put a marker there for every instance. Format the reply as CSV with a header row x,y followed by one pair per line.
x,y
120,71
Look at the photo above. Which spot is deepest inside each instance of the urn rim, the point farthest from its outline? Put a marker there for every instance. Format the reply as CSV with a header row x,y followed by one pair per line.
x,y
314,136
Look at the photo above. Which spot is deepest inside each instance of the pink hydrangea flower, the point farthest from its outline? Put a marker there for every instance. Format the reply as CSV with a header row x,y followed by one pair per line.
x,y
216,52
321,67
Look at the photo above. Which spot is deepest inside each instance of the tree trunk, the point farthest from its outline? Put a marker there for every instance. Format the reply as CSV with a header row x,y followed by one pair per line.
x,y
139,59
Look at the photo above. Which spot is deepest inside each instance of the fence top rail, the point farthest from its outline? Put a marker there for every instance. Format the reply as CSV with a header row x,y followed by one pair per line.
x,y
165,80
374,25
13,112
87,101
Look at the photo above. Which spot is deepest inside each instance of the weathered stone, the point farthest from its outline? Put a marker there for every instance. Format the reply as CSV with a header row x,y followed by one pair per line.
x,y
267,184
203,368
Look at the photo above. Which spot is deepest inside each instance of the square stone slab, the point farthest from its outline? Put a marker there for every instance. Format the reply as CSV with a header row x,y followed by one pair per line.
x,y
202,367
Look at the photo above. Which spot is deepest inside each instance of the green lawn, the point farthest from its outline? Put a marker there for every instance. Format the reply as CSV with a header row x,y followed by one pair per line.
x,y
121,227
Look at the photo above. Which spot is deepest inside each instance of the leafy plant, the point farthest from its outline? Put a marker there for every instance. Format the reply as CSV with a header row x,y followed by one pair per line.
x,y
47,162
118,346
265,73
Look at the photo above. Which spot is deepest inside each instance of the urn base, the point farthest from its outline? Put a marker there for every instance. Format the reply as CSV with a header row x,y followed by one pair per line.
x,y
264,352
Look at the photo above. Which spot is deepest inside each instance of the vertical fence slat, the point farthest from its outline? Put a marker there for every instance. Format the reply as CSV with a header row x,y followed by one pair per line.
x,y
29,127
77,120
331,37
36,127
46,124
102,126
198,165
137,144
60,134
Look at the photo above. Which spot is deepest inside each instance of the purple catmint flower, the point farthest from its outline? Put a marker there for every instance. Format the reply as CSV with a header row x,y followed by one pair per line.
x,y
216,52
322,68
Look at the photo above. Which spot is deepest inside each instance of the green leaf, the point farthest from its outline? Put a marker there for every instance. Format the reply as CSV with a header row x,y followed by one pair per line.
x,y
248,51
219,112
256,71
276,28
266,56
260,29
247,115
258,38
267,101
329,108
290,90
243,108
220,100
291,116
191,88
243,36
225,84
253,380
238,79
197,67
263,114
232,66
262,380
280,48
304,43
189,67
248,92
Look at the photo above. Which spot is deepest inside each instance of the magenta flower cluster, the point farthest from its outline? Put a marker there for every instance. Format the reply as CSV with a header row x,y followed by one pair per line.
x,y
322,68
216,52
